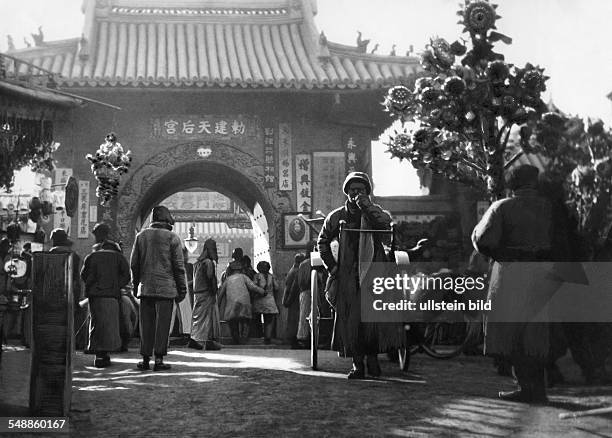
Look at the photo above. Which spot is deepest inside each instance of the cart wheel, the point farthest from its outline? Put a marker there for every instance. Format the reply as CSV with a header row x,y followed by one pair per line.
x,y
314,319
431,342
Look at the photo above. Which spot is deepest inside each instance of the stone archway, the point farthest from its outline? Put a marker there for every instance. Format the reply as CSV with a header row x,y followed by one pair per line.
x,y
227,169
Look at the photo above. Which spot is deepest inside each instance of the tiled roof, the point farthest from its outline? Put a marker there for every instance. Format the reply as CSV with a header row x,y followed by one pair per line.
x,y
213,47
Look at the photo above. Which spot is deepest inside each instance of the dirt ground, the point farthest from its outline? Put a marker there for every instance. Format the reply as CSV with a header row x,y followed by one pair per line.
x,y
256,392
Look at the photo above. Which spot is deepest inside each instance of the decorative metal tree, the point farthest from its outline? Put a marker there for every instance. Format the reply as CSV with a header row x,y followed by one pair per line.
x,y
458,117
580,159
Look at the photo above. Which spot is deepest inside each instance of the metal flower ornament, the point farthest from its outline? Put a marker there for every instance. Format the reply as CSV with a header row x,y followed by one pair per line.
x,y
458,117
108,164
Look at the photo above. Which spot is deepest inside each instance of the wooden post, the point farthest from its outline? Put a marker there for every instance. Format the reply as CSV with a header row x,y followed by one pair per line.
x,y
52,334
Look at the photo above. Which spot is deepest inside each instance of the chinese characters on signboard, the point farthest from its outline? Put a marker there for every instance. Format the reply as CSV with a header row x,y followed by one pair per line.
x,y
303,181
351,155
269,173
83,210
285,176
327,179
200,201
197,127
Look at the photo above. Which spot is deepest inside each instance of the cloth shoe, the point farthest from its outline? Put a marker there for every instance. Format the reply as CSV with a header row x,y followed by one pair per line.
x,y
358,371
518,395
373,366
212,346
144,364
195,345
102,362
355,374
523,396
160,365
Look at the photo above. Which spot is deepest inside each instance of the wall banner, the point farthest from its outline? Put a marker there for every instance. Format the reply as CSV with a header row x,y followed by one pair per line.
x,y
269,170
285,174
83,210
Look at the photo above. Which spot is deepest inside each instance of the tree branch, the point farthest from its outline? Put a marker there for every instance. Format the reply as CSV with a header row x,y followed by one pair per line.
x,y
471,165
513,159
508,126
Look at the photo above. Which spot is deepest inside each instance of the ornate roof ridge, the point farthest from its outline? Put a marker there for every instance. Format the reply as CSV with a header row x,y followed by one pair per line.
x,y
276,51
356,53
68,43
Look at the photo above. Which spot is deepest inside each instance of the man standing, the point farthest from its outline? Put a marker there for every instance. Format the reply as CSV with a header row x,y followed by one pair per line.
x,y
357,253
105,271
158,275
518,229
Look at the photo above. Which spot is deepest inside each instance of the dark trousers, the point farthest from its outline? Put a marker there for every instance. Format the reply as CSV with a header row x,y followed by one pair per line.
x,y
239,328
366,346
155,319
530,373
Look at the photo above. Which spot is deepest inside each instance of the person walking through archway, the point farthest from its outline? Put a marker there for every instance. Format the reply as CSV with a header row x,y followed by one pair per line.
x,y
291,300
205,326
236,301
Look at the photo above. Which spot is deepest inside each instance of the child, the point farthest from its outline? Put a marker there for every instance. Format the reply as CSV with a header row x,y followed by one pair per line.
x,y
266,304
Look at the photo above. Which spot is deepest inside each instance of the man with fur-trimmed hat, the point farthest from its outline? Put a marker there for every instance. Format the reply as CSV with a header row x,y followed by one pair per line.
x,y
356,265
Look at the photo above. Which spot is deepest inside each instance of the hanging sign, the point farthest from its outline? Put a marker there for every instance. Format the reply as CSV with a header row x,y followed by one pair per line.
x,y
351,155
83,210
285,176
269,171
303,180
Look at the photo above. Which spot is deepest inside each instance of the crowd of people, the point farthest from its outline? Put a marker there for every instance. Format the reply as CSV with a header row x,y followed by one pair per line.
x,y
530,225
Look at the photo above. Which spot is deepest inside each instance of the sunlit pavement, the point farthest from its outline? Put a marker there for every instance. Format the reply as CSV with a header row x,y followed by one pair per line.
x,y
273,392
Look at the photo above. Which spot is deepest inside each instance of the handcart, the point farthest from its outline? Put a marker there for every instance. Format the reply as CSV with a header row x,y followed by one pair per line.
x,y
400,257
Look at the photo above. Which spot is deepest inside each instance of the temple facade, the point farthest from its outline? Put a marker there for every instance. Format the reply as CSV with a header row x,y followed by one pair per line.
x,y
245,98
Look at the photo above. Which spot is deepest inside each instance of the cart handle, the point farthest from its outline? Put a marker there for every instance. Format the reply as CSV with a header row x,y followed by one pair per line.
x,y
363,230
356,230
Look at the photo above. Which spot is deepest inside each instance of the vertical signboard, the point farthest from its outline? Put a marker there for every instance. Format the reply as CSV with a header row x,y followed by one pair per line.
x,y
285,175
269,171
303,182
83,210
351,155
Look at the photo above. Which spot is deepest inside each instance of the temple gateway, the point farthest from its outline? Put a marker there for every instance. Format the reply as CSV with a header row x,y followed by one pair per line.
x,y
245,99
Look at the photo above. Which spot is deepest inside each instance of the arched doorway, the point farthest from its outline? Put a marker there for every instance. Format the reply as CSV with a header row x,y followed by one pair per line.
x,y
216,166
